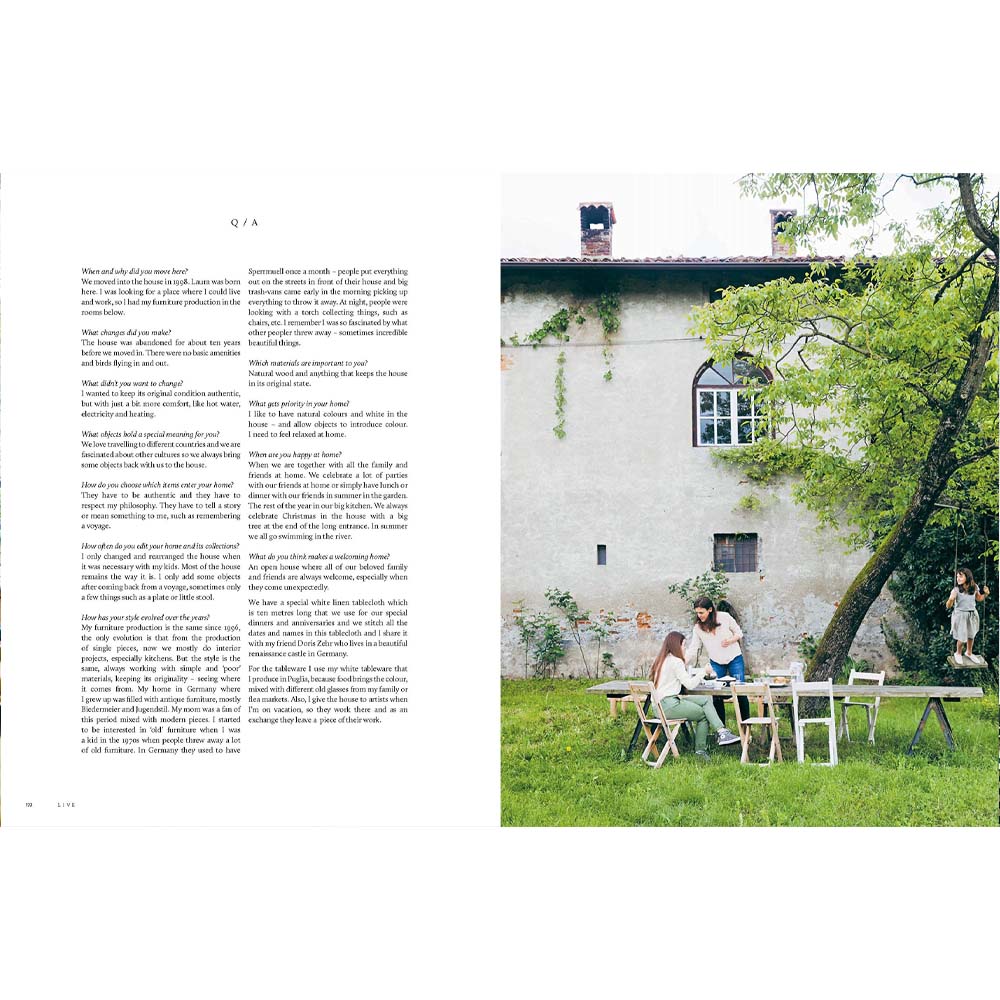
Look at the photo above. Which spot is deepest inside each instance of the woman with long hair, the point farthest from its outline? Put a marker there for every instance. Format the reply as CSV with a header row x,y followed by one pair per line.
x,y
669,676
720,634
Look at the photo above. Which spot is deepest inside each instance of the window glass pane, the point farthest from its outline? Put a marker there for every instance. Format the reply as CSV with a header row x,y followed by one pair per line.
x,y
706,432
725,560
723,400
712,377
725,371
746,554
723,432
706,403
747,372
745,432
743,404
725,554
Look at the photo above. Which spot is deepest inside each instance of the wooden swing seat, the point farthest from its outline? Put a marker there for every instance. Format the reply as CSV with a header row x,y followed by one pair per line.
x,y
966,666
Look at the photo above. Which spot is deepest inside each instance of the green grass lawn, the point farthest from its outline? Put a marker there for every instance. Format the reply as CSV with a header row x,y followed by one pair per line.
x,y
562,764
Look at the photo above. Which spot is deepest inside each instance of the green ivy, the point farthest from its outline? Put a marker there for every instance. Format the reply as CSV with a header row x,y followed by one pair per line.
x,y
607,309
765,460
560,427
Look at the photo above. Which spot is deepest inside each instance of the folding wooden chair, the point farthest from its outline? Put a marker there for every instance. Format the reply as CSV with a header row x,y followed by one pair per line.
x,y
622,700
654,724
814,689
766,716
870,707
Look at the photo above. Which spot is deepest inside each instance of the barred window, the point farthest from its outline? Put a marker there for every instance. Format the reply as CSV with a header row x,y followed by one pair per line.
x,y
735,553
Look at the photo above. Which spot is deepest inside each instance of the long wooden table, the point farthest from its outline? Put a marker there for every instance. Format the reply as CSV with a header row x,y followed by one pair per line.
x,y
936,696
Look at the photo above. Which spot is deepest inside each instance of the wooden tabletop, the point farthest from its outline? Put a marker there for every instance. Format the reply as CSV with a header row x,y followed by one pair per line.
x,y
784,692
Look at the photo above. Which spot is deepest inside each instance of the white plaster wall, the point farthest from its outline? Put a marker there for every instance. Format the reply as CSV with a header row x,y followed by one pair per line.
x,y
627,476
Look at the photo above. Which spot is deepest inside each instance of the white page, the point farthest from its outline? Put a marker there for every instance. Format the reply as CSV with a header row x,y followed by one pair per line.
x,y
438,233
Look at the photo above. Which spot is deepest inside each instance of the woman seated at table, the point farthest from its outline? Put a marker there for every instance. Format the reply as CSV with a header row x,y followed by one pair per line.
x,y
669,676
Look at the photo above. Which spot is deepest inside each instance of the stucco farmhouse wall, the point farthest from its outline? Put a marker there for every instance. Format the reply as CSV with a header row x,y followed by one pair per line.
x,y
627,476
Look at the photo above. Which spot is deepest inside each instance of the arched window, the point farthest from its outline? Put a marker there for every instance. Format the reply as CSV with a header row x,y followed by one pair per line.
x,y
726,410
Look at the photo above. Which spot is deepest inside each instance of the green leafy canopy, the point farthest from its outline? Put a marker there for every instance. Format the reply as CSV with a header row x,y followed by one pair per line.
x,y
868,352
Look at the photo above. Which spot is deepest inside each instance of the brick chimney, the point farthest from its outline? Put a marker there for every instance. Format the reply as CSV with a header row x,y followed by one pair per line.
x,y
781,246
596,220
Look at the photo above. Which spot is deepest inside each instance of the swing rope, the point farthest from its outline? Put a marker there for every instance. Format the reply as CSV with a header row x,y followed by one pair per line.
x,y
984,524
958,518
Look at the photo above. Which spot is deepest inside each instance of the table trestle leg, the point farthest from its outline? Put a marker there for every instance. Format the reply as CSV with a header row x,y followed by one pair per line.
x,y
935,704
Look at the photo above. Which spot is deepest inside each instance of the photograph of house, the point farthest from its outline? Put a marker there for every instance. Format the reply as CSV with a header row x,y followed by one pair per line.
x,y
629,501
773,397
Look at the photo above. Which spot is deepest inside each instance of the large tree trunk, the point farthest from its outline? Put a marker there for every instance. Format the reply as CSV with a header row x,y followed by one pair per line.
x,y
940,464
831,653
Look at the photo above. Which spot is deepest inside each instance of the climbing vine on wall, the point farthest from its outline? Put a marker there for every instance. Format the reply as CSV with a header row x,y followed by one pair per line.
x,y
765,460
607,309
560,428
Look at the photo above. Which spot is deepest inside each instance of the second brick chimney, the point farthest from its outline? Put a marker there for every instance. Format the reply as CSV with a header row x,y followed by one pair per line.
x,y
781,246
596,220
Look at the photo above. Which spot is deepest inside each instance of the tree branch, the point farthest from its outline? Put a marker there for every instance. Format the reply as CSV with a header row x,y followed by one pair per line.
x,y
929,180
984,235
957,274
840,343
990,305
973,457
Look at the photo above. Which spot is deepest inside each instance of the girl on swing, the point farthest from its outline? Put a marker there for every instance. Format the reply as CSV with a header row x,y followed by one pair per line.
x,y
965,618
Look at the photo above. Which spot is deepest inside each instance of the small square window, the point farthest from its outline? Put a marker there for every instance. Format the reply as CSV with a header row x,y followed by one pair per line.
x,y
602,555
735,553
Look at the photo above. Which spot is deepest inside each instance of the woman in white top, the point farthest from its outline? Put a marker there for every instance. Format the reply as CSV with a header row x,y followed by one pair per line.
x,y
720,634
670,676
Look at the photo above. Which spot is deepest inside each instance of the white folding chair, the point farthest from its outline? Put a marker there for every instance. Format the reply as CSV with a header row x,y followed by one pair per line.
x,y
794,671
813,689
768,716
870,707
654,723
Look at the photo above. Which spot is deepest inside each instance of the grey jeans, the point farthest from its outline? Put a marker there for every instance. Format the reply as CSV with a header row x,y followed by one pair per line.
x,y
696,708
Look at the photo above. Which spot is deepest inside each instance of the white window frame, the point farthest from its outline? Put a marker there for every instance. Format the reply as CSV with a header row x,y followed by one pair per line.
x,y
734,418
733,393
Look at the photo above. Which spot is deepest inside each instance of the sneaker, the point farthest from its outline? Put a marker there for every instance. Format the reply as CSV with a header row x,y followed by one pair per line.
x,y
976,658
959,660
725,737
702,755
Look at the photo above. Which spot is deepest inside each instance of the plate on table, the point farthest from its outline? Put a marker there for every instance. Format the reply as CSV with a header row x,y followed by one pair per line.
x,y
779,681
728,680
